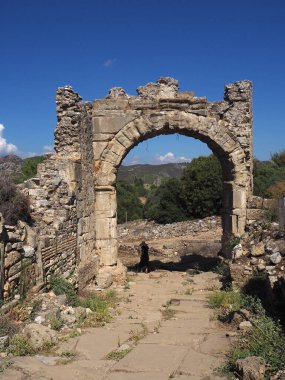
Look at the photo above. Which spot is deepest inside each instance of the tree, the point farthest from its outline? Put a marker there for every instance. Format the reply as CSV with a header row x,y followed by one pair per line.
x,y
279,158
265,175
167,204
202,183
128,202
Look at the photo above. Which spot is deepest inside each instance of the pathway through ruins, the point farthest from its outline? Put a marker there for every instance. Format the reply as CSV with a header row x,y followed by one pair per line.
x,y
166,313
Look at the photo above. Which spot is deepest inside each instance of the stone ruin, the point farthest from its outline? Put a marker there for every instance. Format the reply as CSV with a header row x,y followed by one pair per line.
x,y
73,197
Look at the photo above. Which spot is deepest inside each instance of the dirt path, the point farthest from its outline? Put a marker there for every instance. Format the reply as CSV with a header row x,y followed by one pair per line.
x,y
166,314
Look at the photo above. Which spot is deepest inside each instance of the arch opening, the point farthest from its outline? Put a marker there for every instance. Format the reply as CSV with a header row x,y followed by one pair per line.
x,y
208,130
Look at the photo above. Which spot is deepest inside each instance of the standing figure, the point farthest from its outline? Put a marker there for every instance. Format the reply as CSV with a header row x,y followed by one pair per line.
x,y
144,261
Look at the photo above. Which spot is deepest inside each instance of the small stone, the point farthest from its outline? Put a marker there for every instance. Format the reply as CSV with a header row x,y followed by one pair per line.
x,y
275,258
253,261
4,342
237,251
40,319
257,249
245,325
124,347
28,251
260,267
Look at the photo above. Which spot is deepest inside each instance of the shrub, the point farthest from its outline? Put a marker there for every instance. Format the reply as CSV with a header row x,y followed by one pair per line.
x,y
20,346
100,305
225,299
62,286
14,205
56,323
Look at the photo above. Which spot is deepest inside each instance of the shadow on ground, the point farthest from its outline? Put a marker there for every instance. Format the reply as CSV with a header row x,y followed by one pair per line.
x,y
194,262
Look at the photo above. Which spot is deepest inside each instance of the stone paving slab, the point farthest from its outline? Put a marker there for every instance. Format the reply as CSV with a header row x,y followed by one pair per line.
x,y
137,376
156,357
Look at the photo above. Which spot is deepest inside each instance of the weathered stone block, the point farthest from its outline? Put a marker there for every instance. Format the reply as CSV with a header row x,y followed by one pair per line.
x,y
105,228
239,198
255,202
254,214
105,124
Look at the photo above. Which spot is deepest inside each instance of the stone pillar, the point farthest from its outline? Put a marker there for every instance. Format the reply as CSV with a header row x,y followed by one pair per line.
x,y
106,225
239,121
67,136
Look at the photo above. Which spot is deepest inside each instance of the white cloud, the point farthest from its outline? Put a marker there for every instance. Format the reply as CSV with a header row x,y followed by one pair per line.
x,y
110,62
49,149
171,158
6,148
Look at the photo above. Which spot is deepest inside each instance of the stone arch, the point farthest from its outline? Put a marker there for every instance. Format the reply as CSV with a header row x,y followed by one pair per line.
x,y
209,130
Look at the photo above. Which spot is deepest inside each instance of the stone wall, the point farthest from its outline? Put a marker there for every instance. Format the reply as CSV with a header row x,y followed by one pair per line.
x,y
259,208
18,270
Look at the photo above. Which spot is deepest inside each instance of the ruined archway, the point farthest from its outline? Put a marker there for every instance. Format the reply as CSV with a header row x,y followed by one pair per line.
x,y
163,110
91,140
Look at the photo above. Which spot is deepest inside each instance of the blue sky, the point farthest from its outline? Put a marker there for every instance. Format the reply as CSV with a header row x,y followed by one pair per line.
x,y
96,45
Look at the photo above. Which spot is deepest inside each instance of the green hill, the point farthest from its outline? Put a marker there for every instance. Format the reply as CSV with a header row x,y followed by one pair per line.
x,y
150,174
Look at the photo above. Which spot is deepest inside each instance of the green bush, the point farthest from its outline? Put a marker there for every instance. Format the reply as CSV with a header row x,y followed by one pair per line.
x,y
62,286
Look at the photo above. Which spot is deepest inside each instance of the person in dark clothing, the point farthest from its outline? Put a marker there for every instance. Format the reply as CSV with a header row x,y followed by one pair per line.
x,y
144,260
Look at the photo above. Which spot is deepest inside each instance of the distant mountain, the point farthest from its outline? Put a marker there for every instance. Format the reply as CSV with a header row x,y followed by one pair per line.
x,y
20,169
150,174
11,164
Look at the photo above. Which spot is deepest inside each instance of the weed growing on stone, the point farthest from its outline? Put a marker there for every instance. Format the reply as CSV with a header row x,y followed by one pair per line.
x,y
168,313
118,355
100,304
72,334
225,300
56,323
61,286
137,335
66,357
